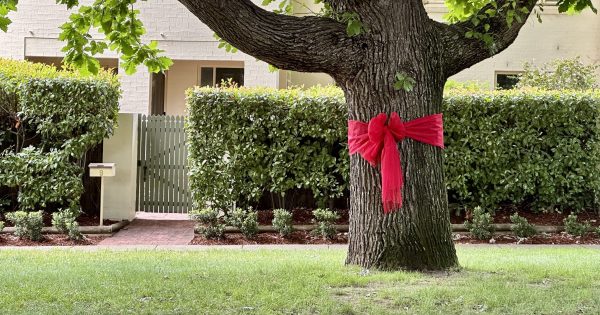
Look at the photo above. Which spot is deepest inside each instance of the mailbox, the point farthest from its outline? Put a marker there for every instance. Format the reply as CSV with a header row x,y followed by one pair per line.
x,y
102,169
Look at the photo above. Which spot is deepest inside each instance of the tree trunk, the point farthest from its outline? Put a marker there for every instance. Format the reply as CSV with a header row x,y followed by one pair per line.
x,y
398,37
417,236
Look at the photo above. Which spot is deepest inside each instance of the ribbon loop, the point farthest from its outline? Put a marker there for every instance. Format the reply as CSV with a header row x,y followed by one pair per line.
x,y
376,143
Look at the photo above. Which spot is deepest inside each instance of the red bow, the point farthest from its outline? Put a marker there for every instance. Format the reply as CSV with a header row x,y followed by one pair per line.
x,y
376,143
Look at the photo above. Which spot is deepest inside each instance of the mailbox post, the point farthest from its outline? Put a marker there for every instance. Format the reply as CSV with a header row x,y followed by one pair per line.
x,y
102,170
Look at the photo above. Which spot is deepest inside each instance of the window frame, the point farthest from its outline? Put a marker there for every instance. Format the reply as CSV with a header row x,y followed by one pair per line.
x,y
214,72
504,72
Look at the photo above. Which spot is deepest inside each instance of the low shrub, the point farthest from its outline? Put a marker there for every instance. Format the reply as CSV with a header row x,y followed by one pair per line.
x,y
597,231
521,227
481,225
325,220
245,220
282,222
1,226
27,224
560,74
576,228
209,223
64,222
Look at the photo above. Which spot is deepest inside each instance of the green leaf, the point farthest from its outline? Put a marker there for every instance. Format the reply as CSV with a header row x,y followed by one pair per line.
x,y
404,82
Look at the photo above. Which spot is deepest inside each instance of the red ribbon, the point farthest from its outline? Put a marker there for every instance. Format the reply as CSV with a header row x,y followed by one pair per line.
x,y
376,143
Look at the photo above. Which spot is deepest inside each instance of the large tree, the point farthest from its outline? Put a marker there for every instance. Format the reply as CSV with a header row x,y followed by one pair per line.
x,y
387,55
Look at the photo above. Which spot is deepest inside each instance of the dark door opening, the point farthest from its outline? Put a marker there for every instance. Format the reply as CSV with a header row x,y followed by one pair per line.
x,y
157,106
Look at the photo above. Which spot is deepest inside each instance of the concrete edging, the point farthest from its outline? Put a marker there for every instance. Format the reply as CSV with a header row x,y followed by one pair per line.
x,y
502,227
105,229
191,248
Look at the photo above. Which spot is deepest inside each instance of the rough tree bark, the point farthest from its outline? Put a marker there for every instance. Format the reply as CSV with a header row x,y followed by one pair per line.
x,y
400,38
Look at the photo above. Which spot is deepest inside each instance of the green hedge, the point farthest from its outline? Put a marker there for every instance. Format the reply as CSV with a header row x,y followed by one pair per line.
x,y
243,142
523,146
538,148
49,119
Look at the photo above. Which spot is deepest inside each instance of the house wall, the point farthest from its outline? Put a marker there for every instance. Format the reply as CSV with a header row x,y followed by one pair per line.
x,y
184,74
35,29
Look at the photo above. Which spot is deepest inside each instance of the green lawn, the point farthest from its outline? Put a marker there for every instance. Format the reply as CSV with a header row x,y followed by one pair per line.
x,y
494,280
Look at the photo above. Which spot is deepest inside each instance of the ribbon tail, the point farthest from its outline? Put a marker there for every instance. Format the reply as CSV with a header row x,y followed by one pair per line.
x,y
391,175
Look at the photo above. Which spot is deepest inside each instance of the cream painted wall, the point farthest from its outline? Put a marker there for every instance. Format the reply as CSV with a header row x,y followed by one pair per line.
x,y
120,191
184,74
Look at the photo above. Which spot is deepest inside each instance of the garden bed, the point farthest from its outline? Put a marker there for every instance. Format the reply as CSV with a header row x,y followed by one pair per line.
x,y
535,218
83,219
303,216
300,216
539,239
93,229
297,237
304,237
50,240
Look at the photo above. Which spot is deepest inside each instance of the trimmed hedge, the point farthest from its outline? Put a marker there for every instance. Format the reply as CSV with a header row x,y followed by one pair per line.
x,y
542,148
49,119
243,142
534,147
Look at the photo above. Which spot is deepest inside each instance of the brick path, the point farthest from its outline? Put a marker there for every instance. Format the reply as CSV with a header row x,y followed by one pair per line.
x,y
154,229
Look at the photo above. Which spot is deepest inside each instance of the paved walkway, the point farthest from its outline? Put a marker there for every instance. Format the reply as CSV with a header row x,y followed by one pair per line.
x,y
154,229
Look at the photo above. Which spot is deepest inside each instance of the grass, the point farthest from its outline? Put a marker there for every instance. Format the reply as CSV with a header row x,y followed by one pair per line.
x,y
494,280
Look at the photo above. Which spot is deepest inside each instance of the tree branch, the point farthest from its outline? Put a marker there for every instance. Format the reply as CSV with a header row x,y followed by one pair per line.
x,y
309,44
460,52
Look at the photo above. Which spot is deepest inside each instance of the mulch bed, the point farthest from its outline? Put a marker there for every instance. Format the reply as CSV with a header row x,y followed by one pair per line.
x,y
298,237
539,239
300,216
302,237
50,240
84,220
539,218
304,216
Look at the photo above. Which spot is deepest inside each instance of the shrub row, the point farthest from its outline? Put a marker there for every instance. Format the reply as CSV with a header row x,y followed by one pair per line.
x,y
49,119
534,147
243,142
523,146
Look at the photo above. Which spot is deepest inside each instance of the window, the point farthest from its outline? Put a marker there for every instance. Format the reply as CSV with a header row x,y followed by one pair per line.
x,y
213,76
507,81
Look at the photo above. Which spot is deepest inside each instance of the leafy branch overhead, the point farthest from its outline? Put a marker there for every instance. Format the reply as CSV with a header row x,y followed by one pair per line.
x,y
480,13
117,20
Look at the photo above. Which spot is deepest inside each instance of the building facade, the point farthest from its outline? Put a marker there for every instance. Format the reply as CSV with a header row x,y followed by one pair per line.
x,y
198,60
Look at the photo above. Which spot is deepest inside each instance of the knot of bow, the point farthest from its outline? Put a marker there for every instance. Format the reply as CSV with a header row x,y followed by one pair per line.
x,y
376,143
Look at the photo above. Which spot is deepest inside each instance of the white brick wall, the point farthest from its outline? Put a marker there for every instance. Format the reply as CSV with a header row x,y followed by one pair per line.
x,y
35,30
